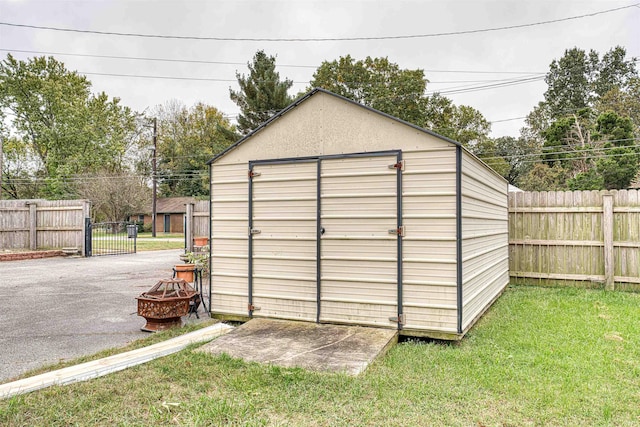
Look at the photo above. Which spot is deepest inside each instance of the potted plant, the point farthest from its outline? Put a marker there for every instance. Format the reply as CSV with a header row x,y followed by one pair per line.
x,y
200,258
200,241
185,271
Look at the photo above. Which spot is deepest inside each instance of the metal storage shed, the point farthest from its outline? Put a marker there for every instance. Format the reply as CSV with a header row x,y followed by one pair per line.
x,y
334,212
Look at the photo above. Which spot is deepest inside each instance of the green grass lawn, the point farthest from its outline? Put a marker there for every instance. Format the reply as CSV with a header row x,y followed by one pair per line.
x,y
147,234
144,242
158,245
540,356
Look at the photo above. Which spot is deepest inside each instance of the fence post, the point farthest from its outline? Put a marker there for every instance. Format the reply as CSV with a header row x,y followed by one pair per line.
x,y
86,211
607,227
33,225
88,245
188,232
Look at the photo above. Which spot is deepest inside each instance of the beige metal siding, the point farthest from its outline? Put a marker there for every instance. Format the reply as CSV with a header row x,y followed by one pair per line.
x,y
284,251
325,125
429,245
485,255
359,259
229,244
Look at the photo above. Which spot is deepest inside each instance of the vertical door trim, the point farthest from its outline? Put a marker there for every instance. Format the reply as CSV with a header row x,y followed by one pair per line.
x,y
318,239
253,163
399,251
459,235
250,239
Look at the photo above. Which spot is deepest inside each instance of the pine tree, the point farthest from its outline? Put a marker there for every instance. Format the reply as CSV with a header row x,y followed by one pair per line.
x,y
262,94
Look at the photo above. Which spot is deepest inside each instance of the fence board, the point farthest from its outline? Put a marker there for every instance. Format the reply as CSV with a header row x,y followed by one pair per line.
x,y
42,224
197,220
201,218
560,237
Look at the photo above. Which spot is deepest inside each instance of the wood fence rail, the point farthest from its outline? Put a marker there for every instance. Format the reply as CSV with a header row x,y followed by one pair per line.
x,y
43,224
586,237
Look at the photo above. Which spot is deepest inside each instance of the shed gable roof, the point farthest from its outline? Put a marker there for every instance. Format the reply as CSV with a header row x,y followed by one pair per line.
x,y
324,91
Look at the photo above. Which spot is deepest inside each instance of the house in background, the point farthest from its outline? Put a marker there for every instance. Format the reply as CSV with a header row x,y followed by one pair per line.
x,y
170,213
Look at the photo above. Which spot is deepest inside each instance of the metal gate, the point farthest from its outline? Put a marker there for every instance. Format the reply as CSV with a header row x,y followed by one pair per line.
x,y
110,238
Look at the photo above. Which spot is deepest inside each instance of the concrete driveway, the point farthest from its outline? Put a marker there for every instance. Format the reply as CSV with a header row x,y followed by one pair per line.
x,y
62,308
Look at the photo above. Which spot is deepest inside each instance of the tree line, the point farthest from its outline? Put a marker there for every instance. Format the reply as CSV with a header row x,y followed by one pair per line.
x,y
63,141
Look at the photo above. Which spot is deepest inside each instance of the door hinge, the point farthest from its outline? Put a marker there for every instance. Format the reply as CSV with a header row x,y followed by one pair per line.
x,y
252,173
401,319
252,307
399,165
397,231
254,231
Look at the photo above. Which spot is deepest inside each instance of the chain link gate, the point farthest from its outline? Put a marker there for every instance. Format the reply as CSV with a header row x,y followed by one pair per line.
x,y
110,238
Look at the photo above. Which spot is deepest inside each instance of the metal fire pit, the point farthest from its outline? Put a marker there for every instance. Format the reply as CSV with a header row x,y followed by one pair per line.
x,y
164,304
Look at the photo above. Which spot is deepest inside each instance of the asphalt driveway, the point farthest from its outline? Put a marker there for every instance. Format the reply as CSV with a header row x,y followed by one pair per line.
x,y
62,308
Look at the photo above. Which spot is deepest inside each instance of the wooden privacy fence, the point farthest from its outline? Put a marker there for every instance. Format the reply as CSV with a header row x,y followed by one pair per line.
x,y
196,222
586,237
43,224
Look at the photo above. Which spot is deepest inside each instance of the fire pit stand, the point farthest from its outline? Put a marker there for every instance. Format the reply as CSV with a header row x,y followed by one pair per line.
x,y
165,303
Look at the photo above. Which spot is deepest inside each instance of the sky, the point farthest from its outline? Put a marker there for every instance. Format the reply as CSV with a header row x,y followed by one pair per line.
x,y
460,66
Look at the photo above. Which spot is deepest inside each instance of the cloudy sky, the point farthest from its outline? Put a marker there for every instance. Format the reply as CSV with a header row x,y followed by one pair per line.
x,y
465,67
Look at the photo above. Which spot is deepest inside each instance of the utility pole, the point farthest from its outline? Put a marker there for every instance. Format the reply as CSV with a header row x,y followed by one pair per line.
x,y
154,178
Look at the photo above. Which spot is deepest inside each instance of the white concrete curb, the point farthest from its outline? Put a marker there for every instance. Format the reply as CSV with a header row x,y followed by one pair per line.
x,y
118,362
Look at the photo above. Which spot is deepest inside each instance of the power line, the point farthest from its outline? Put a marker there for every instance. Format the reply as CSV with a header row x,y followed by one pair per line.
x,y
204,174
453,91
195,61
141,76
142,58
507,120
591,157
462,89
319,39
549,151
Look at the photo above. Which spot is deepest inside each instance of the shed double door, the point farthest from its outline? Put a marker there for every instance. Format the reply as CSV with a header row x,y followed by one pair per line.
x,y
324,239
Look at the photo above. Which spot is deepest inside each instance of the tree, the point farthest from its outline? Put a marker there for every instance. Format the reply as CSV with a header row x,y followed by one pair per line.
x,y
592,104
115,196
188,139
570,80
262,94
487,151
579,79
17,183
519,154
615,72
541,177
620,161
69,130
568,141
596,153
377,83
469,127
383,85
624,102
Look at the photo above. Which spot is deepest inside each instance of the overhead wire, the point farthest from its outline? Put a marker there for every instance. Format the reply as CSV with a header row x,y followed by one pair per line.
x,y
197,61
564,152
318,39
143,58
204,174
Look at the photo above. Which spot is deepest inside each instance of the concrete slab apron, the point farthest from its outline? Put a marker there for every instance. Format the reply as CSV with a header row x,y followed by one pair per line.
x,y
317,347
